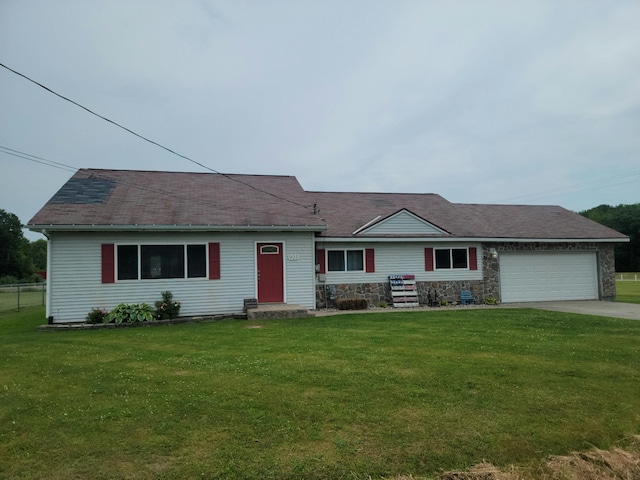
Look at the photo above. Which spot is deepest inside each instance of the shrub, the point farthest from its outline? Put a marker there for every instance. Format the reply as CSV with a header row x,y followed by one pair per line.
x,y
8,280
352,304
383,304
490,301
130,313
167,307
97,315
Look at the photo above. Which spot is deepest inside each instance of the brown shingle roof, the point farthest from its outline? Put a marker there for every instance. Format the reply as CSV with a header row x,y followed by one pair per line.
x,y
124,198
346,212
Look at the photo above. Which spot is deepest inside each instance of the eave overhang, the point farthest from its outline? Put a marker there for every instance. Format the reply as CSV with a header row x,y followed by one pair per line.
x,y
468,239
176,228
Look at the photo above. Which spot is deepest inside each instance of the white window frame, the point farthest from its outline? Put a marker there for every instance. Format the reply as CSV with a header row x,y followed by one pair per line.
x,y
344,252
139,258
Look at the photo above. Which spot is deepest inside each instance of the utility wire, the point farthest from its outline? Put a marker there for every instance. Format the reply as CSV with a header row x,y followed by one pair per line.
x,y
580,187
173,152
35,158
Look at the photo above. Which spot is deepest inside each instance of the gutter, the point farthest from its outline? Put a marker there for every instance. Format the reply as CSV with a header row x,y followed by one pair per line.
x,y
176,228
467,239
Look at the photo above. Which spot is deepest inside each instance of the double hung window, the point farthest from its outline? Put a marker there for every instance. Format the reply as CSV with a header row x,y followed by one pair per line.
x,y
451,258
345,260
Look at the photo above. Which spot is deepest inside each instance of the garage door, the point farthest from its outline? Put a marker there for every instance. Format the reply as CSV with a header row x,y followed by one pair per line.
x,y
548,276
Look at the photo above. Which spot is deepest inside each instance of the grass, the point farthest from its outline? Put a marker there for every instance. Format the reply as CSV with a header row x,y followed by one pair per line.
x,y
628,292
29,298
349,396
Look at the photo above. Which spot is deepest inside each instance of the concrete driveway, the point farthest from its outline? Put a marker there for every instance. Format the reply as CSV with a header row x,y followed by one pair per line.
x,y
587,307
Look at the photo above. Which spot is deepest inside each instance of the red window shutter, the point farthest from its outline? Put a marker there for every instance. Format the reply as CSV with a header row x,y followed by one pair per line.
x,y
473,258
108,263
370,260
214,261
320,261
428,259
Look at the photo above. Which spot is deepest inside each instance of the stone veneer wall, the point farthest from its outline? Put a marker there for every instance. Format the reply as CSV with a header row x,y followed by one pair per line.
x,y
327,296
375,293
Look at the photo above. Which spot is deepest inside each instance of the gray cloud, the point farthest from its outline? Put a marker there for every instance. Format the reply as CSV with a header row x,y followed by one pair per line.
x,y
533,102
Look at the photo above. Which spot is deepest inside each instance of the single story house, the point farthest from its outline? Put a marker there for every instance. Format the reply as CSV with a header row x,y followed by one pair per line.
x,y
214,240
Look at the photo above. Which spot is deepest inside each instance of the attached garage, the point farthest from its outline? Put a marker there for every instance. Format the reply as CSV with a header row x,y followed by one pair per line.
x,y
548,276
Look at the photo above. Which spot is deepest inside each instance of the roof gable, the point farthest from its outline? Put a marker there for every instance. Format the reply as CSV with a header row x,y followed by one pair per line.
x,y
403,222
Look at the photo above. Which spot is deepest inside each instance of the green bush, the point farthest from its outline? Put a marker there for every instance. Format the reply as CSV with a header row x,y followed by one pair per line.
x,y
490,301
352,304
97,315
8,280
130,313
167,307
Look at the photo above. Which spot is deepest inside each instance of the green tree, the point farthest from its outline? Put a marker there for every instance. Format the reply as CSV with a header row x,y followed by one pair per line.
x,y
14,248
38,254
625,219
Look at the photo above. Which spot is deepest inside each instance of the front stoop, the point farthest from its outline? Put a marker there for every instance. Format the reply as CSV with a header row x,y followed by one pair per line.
x,y
265,311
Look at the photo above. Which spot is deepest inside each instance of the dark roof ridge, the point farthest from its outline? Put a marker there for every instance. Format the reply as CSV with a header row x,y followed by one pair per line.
x,y
475,204
376,193
120,170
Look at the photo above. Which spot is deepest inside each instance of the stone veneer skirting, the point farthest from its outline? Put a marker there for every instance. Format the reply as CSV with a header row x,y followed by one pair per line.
x,y
376,293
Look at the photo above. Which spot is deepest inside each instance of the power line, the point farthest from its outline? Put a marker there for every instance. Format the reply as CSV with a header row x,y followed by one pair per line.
x,y
35,158
173,152
580,187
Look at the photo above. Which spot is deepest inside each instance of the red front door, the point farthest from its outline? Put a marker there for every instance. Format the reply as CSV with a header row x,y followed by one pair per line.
x,y
270,273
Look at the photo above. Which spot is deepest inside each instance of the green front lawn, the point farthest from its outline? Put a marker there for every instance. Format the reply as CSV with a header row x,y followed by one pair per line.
x,y
29,298
348,396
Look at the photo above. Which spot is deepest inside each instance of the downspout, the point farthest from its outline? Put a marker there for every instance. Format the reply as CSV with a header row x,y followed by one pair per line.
x,y
49,276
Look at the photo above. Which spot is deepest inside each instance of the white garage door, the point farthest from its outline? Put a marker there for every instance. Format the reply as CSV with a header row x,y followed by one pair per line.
x,y
548,276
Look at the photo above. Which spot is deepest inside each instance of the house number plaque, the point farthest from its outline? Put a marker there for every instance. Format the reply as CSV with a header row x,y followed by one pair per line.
x,y
293,257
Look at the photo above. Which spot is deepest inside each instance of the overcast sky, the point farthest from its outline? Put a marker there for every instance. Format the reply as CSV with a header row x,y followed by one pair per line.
x,y
480,101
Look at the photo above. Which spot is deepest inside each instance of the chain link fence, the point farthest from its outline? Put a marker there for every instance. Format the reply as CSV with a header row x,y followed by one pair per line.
x,y
22,295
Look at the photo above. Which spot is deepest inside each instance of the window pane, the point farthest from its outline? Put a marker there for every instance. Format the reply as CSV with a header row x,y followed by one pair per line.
x,y
196,261
335,260
269,249
354,260
127,262
162,261
459,257
443,258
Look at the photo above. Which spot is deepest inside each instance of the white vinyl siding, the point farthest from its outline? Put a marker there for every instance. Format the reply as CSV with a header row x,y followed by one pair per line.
x,y
548,276
76,284
403,258
403,223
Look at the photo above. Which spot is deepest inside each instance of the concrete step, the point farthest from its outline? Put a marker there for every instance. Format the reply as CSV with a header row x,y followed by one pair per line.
x,y
266,311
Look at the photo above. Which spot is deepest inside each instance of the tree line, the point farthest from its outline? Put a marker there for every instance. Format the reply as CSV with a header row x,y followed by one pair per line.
x,y
20,259
625,219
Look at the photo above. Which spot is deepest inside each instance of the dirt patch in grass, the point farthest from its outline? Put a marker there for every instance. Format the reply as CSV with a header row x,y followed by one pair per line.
x,y
482,471
596,464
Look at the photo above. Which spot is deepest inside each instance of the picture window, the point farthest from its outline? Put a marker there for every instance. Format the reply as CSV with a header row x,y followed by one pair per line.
x,y
161,261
